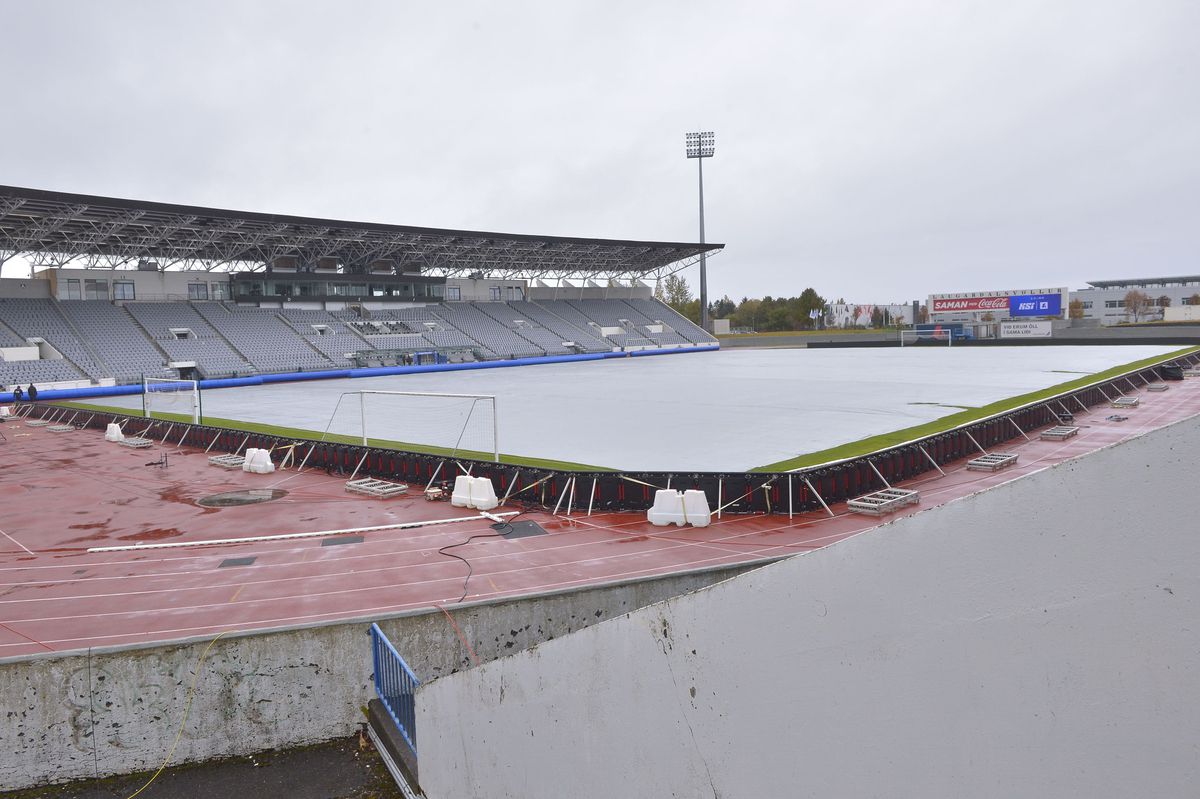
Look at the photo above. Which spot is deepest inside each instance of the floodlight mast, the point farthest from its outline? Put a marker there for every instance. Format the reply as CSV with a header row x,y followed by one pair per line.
x,y
701,145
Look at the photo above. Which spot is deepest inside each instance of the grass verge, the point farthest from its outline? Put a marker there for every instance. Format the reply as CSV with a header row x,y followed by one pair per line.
x,y
296,433
866,446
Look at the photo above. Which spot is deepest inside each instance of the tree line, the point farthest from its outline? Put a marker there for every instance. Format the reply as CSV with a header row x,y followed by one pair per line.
x,y
767,314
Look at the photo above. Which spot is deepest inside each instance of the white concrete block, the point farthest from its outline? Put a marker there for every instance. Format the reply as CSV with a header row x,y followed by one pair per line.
x,y
113,432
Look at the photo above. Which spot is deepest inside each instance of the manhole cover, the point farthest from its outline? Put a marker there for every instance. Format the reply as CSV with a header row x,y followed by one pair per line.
x,y
249,497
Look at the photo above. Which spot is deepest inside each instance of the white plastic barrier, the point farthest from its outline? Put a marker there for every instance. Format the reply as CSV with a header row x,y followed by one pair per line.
x,y
461,498
113,432
679,508
473,492
695,507
258,461
4,411
484,494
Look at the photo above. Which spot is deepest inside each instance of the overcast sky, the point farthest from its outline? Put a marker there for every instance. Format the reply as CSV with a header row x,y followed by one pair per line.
x,y
877,151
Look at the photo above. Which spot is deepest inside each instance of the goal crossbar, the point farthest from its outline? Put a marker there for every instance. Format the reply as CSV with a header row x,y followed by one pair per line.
x,y
488,399
175,388
946,336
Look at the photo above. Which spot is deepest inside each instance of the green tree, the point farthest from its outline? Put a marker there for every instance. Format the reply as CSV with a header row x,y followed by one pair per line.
x,y
677,293
723,308
1075,309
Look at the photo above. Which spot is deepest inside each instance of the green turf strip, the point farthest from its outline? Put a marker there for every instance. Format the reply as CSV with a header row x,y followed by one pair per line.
x,y
884,441
294,433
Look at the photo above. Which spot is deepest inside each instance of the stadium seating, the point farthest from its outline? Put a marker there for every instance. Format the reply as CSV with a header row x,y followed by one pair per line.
x,y
207,348
38,318
265,339
117,339
660,312
492,336
8,338
22,373
99,339
583,337
335,343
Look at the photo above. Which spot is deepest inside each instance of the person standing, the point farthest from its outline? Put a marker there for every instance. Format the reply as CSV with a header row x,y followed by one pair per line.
x,y
32,393
18,394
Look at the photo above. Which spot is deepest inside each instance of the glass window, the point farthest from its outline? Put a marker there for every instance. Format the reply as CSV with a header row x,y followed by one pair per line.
x,y
494,293
220,291
453,293
73,291
123,290
515,294
95,289
197,291
1087,304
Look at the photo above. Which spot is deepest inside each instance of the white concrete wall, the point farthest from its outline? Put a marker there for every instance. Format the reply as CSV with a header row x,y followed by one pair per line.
x,y
1037,640
115,710
1184,313
13,287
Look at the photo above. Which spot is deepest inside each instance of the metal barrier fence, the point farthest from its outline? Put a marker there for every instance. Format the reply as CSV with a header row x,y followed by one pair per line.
x,y
395,684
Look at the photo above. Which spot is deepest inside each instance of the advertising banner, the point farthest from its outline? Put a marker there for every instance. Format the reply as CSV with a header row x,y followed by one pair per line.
x,y
995,303
1035,305
1025,329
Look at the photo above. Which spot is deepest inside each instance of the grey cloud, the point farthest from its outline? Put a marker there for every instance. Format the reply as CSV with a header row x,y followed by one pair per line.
x,y
877,151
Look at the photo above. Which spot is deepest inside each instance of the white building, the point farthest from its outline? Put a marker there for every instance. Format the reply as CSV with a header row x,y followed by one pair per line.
x,y
851,314
1105,299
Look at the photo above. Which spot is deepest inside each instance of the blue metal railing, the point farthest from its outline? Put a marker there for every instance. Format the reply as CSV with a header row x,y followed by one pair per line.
x,y
396,686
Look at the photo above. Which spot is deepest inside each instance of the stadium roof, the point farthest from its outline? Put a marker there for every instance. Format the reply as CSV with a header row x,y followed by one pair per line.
x,y
55,229
1146,282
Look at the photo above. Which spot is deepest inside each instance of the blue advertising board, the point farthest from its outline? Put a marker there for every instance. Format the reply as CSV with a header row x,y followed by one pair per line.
x,y
1035,305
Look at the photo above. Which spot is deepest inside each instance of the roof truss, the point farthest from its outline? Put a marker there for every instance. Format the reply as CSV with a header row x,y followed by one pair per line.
x,y
55,229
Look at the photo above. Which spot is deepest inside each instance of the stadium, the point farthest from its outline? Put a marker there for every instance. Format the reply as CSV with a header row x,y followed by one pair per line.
x,y
283,469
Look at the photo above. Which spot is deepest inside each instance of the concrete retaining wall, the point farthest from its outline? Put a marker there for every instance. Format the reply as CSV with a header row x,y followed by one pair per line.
x,y
118,709
1037,640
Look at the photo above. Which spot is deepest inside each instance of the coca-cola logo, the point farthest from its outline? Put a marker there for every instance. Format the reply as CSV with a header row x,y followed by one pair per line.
x,y
972,304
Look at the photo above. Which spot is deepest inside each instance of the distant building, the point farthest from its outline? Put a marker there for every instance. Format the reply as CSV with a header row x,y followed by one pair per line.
x,y
851,314
1105,299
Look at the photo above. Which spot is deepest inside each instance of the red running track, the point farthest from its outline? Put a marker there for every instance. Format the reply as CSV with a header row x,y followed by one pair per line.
x,y
63,493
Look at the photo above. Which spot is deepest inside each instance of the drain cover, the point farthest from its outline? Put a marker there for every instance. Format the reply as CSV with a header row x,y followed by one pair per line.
x,y
249,497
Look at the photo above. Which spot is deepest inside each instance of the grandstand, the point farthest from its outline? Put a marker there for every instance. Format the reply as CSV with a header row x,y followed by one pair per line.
x,y
119,343
304,295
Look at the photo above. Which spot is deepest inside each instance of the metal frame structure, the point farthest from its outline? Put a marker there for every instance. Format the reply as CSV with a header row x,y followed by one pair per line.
x,y
55,229
702,145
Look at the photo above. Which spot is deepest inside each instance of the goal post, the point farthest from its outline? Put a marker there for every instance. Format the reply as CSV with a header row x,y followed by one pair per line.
x,y
463,425
945,336
171,397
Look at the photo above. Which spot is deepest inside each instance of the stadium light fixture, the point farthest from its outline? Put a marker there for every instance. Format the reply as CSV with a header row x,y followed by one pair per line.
x,y
701,145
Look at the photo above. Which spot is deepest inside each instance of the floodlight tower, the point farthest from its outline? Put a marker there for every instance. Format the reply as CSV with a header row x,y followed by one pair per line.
x,y
700,146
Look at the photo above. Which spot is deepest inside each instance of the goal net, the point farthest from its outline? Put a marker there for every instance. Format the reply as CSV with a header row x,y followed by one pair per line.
x,y
943,337
454,425
171,398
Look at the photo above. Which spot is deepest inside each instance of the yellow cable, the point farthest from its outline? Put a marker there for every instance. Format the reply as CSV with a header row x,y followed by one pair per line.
x,y
187,709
